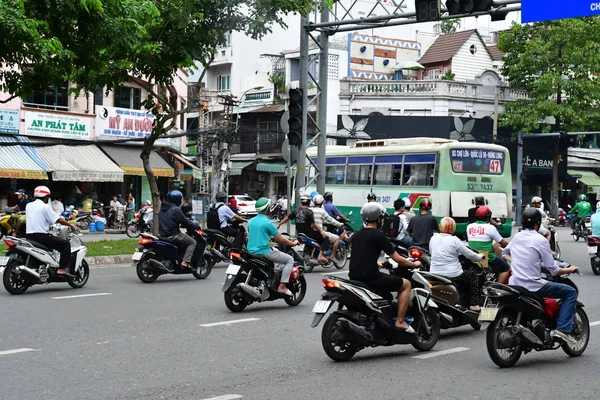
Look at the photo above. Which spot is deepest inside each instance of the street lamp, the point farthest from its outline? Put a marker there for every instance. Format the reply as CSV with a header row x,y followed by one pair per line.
x,y
243,97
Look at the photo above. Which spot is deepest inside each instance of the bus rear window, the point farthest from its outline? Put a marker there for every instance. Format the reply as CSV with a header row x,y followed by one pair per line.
x,y
477,161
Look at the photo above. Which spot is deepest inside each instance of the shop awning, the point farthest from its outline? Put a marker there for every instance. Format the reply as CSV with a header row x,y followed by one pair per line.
x,y
20,161
81,164
128,158
272,166
189,167
238,166
587,177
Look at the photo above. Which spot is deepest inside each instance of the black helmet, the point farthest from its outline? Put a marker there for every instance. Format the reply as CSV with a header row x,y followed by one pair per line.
x,y
425,204
305,199
175,197
328,196
221,197
371,196
530,217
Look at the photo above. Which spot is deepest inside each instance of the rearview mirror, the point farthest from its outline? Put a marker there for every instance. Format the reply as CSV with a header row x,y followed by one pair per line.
x,y
350,213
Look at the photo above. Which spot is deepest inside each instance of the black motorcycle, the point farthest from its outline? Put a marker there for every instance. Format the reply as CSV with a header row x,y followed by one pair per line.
x,y
521,321
252,278
160,256
219,245
365,318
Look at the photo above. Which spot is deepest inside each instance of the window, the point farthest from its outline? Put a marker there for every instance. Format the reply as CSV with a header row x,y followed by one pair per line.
x,y
433,73
224,83
99,96
335,174
387,174
128,97
473,49
182,117
55,97
358,175
227,41
294,69
418,170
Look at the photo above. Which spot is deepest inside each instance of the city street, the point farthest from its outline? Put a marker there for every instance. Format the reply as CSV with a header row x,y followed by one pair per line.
x,y
118,338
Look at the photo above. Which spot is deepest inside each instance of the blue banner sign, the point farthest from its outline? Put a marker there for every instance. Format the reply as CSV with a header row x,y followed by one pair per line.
x,y
547,10
9,121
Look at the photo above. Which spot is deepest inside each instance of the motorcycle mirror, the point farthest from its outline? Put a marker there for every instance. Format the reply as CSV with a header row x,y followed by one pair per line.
x,y
350,213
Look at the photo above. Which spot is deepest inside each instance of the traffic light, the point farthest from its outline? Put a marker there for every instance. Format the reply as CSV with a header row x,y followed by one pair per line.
x,y
467,6
295,119
427,10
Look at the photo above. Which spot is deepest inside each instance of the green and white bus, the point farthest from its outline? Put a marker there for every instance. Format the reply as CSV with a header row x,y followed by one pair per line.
x,y
449,172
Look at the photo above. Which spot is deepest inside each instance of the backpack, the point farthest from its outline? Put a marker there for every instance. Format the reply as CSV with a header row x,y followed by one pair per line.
x,y
391,225
212,218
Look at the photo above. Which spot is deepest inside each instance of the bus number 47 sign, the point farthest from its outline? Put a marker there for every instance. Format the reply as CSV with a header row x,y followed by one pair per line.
x,y
547,10
495,167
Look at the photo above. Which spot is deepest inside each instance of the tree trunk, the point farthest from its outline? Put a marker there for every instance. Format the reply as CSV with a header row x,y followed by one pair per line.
x,y
145,156
554,192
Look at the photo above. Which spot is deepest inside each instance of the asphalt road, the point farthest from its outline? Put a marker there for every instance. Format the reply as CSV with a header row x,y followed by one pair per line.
x,y
129,340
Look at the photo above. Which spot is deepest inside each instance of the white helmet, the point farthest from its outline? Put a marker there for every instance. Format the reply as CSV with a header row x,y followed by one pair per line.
x,y
536,199
41,191
406,203
318,200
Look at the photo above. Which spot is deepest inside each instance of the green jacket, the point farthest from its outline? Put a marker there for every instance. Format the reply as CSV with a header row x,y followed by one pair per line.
x,y
583,209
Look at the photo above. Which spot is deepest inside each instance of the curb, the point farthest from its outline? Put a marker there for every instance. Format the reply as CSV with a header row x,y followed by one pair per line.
x,y
101,260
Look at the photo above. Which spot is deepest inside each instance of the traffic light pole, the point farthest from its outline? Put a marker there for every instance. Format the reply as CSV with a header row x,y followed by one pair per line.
x,y
519,199
303,83
322,117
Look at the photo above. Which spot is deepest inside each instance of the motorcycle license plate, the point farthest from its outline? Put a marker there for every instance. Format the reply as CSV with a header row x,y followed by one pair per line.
x,y
4,261
232,269
592,250
488,314
321,306
137,256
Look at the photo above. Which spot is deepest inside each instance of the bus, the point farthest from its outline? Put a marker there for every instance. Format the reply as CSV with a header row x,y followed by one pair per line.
x,y
449,172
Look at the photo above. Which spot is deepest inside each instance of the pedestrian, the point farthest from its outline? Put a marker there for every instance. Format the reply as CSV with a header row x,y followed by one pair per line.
x,y
130,207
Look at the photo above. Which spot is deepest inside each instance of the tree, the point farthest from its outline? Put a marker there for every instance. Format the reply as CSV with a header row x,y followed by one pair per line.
x,y
448,75
449,26
558,64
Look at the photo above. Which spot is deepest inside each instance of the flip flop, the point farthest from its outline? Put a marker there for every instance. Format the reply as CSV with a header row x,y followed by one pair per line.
x,y
286,292
408,330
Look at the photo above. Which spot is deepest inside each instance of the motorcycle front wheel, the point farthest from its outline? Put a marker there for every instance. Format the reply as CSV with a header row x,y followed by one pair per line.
x,y
132,230
204,268
14,283
432,320
581,333
333,343
595,265
501,354
81,277
144,270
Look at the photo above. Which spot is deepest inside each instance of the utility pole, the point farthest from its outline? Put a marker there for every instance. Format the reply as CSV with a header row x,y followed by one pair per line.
x,y
322,117
519,200
301,173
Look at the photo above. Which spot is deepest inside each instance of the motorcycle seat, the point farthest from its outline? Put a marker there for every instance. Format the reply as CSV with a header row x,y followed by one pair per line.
x,y
386,295
39,245
435,277
526,292
261,258
218,234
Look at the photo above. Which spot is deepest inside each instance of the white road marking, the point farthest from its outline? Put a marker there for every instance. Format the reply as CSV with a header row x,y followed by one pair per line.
x,y
226,397
595,323
15,351
234,321
441,353
82,295
334,273
103,342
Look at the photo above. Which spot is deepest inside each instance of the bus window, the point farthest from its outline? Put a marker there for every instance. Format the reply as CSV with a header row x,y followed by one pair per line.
x,y
334,174
418,174
358,175
387,174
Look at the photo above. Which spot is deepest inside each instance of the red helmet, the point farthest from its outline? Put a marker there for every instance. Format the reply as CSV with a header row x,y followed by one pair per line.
x,y
483,213
295,274
425,204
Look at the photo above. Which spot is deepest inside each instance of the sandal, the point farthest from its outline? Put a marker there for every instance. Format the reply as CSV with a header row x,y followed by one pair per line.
x,y
286,292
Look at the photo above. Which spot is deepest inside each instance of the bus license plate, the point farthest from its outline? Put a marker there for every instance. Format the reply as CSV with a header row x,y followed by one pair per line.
x,y
321,306
592,250
488,314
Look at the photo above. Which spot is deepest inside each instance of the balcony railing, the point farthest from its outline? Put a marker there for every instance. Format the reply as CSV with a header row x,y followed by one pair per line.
x,y
267,143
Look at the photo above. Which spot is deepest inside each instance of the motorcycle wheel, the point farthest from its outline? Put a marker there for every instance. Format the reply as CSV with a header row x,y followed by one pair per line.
x,y
144,271
233,300
12,283
557,251
333,348
132,231
204,268
576,236
341,257
502,357
308,267
84,224
595,265
432,319
581,332
299,290
81,279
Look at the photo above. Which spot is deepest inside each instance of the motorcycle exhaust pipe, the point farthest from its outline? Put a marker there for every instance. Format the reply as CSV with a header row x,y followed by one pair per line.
x,y
158,264
252,291
29,271
355,333
218,254
526,334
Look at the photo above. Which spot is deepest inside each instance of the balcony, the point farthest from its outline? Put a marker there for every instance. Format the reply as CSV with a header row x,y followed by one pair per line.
x,y
268,145
223,56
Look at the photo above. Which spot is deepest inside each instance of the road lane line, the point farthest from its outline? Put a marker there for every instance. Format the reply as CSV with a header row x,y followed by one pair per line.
x,y
441,353
595,323
15,351
234,321
81,295
226,397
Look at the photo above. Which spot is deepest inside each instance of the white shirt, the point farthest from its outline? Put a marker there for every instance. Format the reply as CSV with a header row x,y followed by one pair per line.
x,y
57,206
403,226
322,218
39,217
284,204
445,250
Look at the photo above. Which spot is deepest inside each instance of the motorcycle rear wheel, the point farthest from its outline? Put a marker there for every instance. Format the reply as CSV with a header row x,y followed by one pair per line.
x,y
581,332
81,279
12,283
595,265
234,300
144,271
432,319
132,231
299,291
341,257
204,268
335,350
84,224
503,321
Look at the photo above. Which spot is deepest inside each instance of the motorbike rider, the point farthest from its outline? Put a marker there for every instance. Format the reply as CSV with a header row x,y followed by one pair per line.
x,y
260,231
148,213
403,239
40,216
536,202
22,201
333,212
445,250
528,250
322,219
581,210
481,236
421,227
368,243
408,212
596,221
170,218
226,214
305,224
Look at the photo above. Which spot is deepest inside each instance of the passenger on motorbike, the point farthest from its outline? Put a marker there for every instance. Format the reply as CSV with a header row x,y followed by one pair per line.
x,y
596,221
260,231
482,235
39,218
333,212
536,202
148,213
368,243
528,251
322,219
225,215
170,218
445,250
581,210
403,239
305,224
422,226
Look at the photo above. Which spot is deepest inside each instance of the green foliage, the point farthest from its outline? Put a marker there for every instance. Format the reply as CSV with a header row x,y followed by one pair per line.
x,y
448,75
449,26
557,63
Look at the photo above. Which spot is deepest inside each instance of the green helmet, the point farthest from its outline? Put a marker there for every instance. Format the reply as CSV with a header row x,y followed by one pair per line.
x,y
262,204
582,197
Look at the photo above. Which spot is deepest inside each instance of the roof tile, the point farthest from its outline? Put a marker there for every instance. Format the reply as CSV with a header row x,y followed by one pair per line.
x,y
445,47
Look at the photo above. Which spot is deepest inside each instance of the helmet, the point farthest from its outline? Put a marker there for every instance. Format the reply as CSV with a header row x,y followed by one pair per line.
x,y
328,196
371,212
41,191
483,213
447,225
407,203
262,204
74,213
425,204
175,197
536,199
371,196
305,200
530,217
582,197
313,194
318,200
148,202
20,191
221,197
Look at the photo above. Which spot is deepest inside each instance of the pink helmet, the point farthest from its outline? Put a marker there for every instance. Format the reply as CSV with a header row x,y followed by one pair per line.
x,y
41,191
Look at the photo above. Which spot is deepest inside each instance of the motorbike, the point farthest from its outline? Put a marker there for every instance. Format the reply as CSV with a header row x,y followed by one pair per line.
x,y
583,229
562,218
138,225
365,318
554,246
160,256
310,250
593,243
276,212
29,263
521,321
219,245
116,217
251,278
